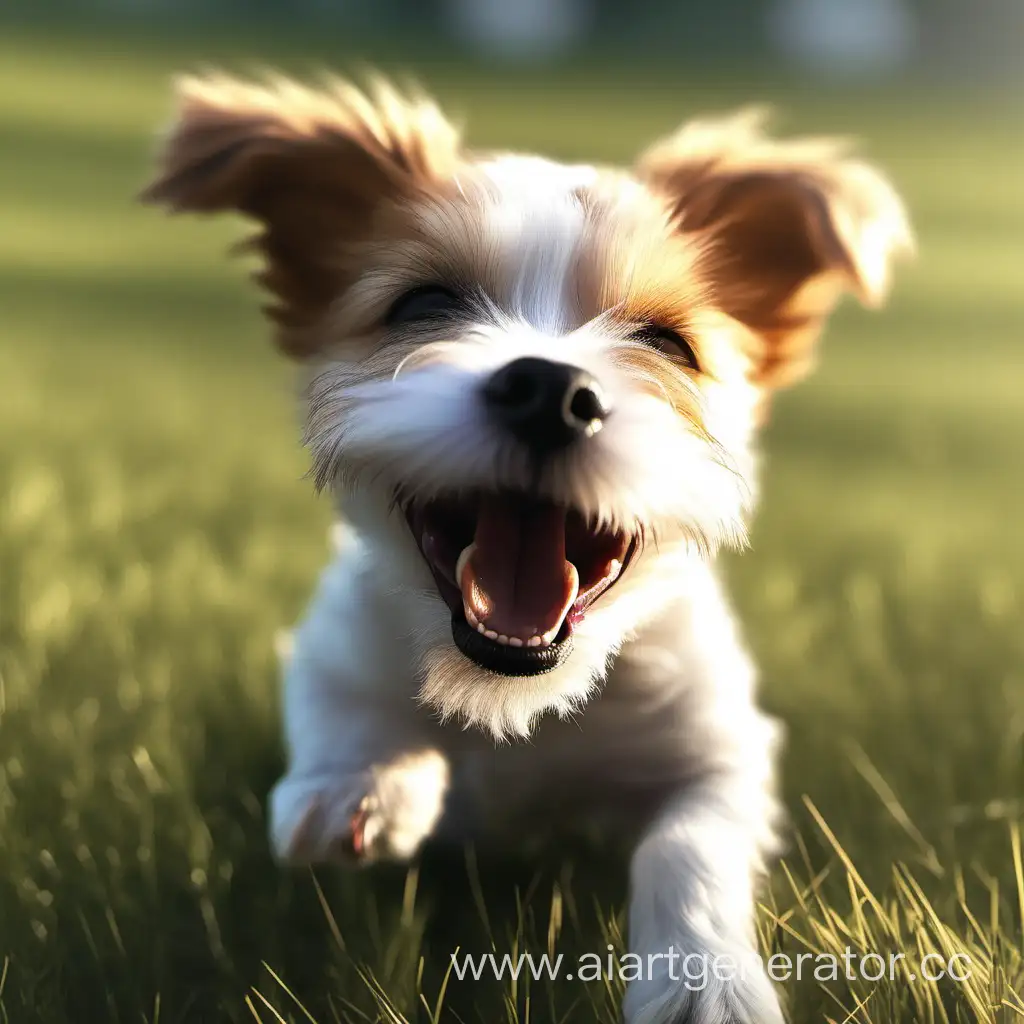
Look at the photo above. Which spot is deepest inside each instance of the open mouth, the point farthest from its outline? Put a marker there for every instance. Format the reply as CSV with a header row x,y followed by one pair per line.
x,y
518,574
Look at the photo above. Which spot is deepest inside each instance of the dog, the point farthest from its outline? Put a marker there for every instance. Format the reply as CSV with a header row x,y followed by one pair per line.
x,y
535,391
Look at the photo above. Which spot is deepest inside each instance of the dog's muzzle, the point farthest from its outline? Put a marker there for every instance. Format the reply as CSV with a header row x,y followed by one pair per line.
x,y
518,571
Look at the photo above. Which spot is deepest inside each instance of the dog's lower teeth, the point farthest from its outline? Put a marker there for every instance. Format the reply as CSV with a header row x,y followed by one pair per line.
x,y
509,641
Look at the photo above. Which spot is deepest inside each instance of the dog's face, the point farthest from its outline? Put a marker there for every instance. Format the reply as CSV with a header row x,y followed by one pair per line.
x,y
535,387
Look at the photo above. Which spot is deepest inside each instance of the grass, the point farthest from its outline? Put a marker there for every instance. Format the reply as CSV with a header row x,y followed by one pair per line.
x,y
156,533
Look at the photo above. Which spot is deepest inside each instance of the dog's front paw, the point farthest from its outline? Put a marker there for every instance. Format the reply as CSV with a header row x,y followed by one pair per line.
x,y
383,813
715,992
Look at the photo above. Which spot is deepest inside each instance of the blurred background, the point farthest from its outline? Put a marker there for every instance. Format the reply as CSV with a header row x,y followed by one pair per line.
x,y
831,36
157,534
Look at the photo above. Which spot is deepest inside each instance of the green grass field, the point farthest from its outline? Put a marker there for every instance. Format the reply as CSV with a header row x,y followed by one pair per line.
x,y
156,532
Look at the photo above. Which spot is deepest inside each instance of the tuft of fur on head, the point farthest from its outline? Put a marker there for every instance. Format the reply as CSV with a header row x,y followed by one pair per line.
x,y
691,287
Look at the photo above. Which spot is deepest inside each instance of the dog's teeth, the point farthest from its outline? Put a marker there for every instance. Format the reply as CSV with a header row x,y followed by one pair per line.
x,y
534,641
502,639
490,634
514,641
549,636
473,616
464,557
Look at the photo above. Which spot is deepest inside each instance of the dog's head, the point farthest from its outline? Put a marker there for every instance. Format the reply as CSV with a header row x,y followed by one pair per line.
x,y
534,386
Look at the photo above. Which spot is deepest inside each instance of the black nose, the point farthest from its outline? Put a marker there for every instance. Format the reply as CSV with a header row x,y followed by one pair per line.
x,y
546,405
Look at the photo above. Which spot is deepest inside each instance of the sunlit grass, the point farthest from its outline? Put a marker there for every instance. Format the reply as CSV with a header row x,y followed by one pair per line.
x,y
846,953
156,533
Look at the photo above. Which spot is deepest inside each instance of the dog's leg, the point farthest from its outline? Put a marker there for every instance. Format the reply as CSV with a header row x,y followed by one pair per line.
x,y
691,910
366,779
695,869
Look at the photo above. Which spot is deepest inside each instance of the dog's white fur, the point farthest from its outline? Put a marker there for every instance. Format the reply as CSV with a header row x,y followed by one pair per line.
x,y
650,727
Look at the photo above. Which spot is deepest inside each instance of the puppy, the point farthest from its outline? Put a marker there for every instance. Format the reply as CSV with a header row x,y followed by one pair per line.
x,y
534,390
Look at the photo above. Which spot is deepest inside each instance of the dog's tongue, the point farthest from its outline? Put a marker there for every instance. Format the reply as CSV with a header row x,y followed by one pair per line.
x,y
514,576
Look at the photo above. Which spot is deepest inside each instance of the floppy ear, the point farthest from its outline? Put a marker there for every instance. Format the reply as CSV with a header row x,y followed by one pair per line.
x,y
312,167
790,227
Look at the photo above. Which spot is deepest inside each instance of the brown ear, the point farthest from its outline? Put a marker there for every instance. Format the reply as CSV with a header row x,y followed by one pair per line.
x,y
791,226
311,167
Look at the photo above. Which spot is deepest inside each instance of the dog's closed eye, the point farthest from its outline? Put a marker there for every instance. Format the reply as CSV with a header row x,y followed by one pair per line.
x,y
669,342
424,303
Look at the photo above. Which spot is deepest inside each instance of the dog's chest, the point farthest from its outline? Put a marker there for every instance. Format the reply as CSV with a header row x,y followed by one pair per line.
x,y
605,772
